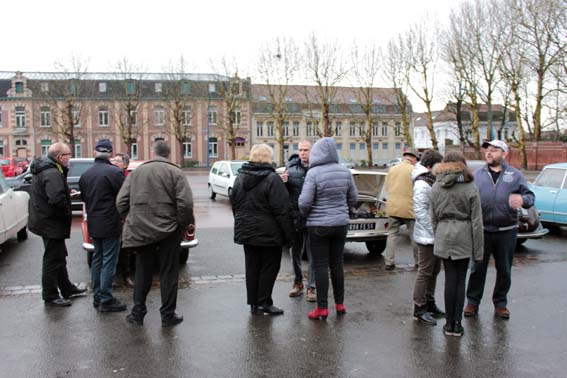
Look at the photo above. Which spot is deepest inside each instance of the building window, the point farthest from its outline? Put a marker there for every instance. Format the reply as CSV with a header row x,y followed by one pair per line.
x,y
45,143
134,151
212,88
187,153
375,146
131,88
236,117
212,115
375,129
19,87
20,117
259,129
398,129
384,146
158,87
338,128
362,146
45,87
21,142
384,129
73,87
361,129
103,116
270,126
286,129
186,87
78,150
102,87
1,148
295,148
133,117
352,129
159,117
295,129
310,129
239,142
45,116
76,114
213,148
339,146
186,117
398,148
352,146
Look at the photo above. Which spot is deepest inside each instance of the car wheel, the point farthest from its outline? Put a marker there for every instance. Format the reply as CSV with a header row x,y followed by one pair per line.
x,y
376,247
183,256
22,234
229,191
90,259
212,194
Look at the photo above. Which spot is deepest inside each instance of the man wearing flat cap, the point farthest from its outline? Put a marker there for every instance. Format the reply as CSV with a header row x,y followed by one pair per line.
x,y
503,190
399,206
100,185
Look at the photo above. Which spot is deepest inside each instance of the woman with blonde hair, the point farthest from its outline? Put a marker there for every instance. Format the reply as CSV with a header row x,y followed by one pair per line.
x,y
263,225
456,217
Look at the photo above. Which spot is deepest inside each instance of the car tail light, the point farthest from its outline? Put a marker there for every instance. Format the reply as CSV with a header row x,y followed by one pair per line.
x,y
189,234
386,224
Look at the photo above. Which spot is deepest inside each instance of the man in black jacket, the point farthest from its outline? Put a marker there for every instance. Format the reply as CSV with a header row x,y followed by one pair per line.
x,y
100,185
50,217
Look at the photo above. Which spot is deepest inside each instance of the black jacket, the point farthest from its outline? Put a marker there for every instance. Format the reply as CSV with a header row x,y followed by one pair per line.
x,y
99,187
50,205
296,176
260,204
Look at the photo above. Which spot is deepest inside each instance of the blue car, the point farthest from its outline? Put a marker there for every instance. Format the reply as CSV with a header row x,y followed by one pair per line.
x,y
550,188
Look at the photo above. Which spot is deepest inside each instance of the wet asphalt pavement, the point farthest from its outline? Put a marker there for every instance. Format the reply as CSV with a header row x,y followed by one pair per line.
x,y
219,338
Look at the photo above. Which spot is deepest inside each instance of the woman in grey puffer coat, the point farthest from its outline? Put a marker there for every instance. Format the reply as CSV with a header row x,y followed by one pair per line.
x,y
456,217
327,194
425,309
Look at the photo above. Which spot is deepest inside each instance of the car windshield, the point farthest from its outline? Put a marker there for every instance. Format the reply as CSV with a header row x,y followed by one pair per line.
x,y
4,162
235,166
78,168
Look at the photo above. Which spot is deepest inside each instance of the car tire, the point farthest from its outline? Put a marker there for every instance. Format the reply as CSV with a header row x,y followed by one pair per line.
x,y
229,192
212,194
183,256
90,259
376,247
22,234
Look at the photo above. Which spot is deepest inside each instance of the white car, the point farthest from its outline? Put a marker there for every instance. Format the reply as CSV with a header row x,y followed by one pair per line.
x,y
222,176
13,212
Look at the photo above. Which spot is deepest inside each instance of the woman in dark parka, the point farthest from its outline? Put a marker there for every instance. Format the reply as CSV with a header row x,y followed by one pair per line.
x,y
263,224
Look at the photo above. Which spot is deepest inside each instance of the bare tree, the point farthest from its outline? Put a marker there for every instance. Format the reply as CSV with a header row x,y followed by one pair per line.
x,y
178,94
367,65
396,70
326,69
278,65
129,80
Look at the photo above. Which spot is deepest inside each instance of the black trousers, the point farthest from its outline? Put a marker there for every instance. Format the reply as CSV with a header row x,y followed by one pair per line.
x,y
54,275
262,265
455,277
327,244
166,252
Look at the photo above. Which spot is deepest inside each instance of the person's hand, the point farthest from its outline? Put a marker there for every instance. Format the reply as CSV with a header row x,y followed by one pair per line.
x,y
74,193
285,176
515,201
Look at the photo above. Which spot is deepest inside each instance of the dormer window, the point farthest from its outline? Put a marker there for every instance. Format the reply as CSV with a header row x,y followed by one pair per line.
x,y
19,87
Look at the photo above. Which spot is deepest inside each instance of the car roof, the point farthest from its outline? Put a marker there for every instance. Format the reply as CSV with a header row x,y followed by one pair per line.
x,y
557,165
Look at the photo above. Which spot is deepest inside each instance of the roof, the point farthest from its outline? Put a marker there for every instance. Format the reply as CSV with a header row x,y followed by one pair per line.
x,y
557,165
108,76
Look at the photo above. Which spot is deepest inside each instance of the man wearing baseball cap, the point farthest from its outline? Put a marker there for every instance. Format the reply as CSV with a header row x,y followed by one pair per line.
x,y
503,190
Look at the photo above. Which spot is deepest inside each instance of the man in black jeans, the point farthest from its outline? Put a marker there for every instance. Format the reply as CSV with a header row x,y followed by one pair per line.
x,y
50,217
503,190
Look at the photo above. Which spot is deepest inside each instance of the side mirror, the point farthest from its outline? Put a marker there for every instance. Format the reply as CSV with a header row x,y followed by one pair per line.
x,y
28,178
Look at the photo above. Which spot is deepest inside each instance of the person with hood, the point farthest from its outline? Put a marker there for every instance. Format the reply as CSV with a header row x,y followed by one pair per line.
x,y
456,216
263,225
428,265
327,195
293,177
50,217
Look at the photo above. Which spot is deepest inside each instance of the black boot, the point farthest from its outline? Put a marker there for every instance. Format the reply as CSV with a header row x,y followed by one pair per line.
x,y
420,313
434,310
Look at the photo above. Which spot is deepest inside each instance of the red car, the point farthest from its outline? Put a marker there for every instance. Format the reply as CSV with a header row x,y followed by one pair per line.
x,y
11,167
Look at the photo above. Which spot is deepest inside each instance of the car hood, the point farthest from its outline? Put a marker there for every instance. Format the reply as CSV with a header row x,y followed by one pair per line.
x,y
369,183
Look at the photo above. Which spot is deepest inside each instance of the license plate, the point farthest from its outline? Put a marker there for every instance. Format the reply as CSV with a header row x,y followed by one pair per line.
x,y
361,226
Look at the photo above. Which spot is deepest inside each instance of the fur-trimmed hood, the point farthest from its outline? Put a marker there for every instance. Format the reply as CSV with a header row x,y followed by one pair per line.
x,y
449,174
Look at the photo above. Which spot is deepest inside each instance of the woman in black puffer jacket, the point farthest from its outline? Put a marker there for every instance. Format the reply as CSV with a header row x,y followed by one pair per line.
x,y
263,224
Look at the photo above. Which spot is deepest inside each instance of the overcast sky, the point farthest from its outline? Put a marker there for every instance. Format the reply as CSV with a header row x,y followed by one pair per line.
x,y
36,33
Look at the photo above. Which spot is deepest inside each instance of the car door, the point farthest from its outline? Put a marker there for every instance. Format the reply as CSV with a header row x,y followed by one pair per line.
x,y
223,179
560,205
3,213
8,208
546,188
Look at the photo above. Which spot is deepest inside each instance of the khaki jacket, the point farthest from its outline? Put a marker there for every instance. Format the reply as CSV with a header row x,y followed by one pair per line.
x,y
400,191
156,200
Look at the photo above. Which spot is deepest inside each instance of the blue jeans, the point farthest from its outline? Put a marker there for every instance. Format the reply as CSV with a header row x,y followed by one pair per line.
x,y
103,268
327,244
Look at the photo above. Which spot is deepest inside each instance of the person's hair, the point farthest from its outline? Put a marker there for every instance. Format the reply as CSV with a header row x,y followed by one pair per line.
x,y
306,141
430,157
102,155
161,149
124,156
261,153
56,149
459,158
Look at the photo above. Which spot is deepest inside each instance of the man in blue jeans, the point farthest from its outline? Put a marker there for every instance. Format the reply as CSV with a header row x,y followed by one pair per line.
x,y
503,190
100,185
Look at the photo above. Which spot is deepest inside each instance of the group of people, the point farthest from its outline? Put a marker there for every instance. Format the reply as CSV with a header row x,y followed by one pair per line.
x,y
454,215
145,213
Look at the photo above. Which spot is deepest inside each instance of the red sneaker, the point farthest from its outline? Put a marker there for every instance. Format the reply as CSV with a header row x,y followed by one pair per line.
x,y
341,309
319,313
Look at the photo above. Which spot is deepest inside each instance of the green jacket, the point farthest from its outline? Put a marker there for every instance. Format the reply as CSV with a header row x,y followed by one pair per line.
x,y
456,214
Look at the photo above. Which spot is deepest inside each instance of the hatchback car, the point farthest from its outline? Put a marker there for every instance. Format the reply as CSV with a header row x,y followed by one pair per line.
x,y
550,188
13,212
11,167
77,166
222,176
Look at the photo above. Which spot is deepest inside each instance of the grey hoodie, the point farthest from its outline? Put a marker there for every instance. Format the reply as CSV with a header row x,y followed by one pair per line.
x,y
329,189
